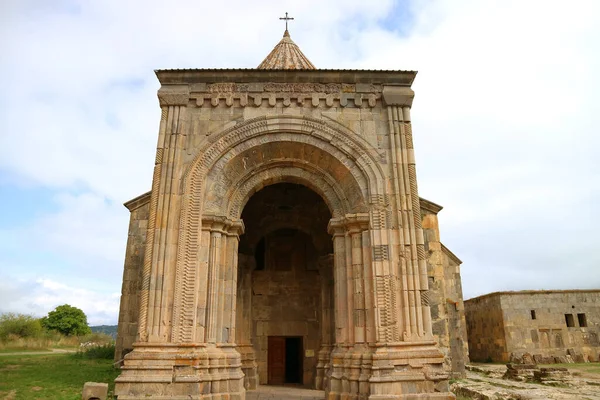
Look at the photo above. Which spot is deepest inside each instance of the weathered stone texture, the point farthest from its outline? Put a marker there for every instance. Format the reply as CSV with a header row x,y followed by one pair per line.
x,y
350,263
485,329
446,299
134,259
548,326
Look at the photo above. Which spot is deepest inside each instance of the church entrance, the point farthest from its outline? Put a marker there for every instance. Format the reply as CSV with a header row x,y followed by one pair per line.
x,y
279,285
285,360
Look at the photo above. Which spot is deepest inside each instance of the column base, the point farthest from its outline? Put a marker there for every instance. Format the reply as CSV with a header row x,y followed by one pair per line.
x,y
249,366
400,371
323,365
409,371
349,373
195,371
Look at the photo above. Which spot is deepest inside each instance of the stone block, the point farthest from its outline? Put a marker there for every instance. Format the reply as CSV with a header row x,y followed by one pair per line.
x,y
94,391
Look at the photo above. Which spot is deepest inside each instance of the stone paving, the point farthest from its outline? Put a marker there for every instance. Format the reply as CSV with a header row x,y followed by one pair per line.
x,y
265,392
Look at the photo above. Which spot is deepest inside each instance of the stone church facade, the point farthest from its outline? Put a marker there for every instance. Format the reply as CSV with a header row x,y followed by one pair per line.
x,y
284,241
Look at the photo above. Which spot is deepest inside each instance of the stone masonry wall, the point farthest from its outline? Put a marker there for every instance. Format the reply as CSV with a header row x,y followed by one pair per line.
x,y
286,303
537,323
485,329
455,314
134,259
446,301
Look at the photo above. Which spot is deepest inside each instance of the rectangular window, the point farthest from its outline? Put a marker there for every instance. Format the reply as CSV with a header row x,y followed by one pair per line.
x,y
582,320
569,320
532,314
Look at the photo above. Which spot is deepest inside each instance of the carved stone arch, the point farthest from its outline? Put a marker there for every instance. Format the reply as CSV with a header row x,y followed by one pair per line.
x,y
358,150
290,148
350,153
269,173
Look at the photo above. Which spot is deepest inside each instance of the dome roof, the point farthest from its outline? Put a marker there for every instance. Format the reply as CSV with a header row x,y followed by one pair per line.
x,y
286,55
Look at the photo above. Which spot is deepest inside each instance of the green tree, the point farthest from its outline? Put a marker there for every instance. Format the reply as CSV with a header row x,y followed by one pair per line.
x,y
68,320
19,325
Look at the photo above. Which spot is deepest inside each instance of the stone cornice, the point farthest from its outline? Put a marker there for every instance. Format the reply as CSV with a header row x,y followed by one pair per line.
x,y
242,88
429,206
137,202
191,76
398,96
174,95
450,254
533,292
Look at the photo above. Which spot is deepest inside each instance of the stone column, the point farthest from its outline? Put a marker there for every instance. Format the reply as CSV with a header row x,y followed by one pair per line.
x,y
156,295
224,361
406,360
327,322
351,357
336,373
246,265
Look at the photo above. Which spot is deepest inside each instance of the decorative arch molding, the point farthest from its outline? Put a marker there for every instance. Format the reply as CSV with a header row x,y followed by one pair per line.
x,y
292,171
357,150
351,153
321,158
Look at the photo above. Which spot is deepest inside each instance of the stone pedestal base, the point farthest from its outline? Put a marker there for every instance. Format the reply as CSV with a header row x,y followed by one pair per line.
x,y
402,371
350,372
249,366
323,365
153,372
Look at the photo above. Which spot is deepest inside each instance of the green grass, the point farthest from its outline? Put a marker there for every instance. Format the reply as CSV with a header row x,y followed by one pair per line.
x,y
55,376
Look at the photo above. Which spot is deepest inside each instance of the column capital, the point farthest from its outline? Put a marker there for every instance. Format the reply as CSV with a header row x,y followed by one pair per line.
x,y
397,96
349,223
224,225
174,95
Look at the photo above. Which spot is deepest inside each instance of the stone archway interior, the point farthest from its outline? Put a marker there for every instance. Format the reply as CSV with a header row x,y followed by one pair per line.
x,y
279,284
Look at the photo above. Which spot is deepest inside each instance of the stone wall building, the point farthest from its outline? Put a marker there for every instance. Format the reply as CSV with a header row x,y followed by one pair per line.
x,y
544,326
284,241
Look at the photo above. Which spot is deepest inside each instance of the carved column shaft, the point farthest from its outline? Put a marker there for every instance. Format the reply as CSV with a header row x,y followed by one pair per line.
x,y
158,273
221,278
327,323
212,305
341,288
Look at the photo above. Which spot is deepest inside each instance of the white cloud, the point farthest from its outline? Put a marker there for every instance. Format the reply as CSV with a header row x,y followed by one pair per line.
x,y
41,296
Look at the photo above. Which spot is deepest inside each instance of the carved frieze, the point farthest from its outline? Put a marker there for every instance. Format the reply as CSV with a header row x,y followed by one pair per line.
x,y
303,87
275,94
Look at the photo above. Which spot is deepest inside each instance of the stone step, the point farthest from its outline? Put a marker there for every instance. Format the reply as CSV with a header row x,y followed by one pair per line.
x,y
284,393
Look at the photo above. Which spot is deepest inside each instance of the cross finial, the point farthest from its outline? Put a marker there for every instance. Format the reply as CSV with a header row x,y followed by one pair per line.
x,y
286,18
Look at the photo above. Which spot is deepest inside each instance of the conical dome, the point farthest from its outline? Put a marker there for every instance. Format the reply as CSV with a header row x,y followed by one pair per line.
x,y
286,55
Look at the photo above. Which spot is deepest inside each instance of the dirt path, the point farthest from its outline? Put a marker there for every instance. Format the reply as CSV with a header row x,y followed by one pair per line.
x,y
27,353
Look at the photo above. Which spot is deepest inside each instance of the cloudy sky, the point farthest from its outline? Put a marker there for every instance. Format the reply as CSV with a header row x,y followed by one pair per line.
x,y
506,121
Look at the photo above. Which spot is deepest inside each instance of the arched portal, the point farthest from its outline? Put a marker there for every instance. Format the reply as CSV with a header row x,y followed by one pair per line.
x,y
329,164
237,163
284,290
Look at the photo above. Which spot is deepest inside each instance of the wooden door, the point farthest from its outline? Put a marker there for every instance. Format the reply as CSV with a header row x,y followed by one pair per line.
x,y
276,365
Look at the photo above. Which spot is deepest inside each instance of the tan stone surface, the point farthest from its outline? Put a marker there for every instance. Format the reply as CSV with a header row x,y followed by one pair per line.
x,y
501,326
94,391
358,295
484,381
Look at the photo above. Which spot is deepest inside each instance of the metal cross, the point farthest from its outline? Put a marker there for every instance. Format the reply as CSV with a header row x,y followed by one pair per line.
x,y
286,18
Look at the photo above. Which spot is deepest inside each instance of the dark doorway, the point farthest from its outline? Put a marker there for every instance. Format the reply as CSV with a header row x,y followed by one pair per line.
x,y
285,360
293,360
